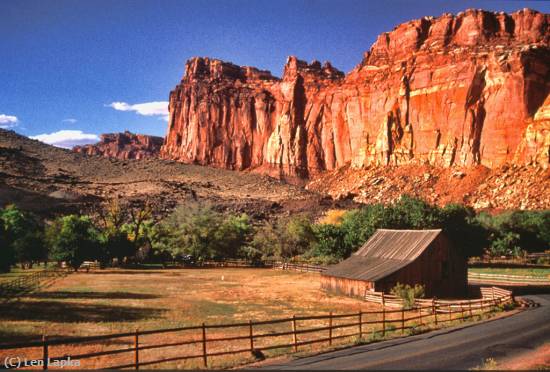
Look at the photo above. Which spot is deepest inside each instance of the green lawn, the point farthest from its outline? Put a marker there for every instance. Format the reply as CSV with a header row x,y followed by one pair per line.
x,y
538,272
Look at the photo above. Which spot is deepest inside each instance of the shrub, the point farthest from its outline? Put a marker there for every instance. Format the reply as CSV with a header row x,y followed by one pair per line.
x,y
408,294
507,244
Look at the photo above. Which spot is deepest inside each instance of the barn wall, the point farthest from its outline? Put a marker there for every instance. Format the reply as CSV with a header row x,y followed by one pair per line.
x,y
348,287
428,269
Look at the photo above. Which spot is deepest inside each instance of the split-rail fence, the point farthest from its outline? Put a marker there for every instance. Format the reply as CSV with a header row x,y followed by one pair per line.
x,y
291,334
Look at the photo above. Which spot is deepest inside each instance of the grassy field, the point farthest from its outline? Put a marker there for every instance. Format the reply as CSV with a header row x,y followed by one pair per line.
x,y
525,271
119,300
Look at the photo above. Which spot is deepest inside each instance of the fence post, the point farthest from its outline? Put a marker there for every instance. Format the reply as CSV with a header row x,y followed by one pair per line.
x,y
330,329
403,319
251,335
470,307
493,293
450,314
461,312
420,314
204,356
294,336
383,320
434,310
45,352
360,324
136,349
482,305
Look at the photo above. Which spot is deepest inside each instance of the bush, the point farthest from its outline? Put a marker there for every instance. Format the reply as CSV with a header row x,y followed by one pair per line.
x,y
505,245
73,239
408,294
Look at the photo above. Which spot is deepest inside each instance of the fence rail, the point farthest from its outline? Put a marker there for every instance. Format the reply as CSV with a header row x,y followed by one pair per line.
x,y
252,337
389,300
30,282
507,279
297,266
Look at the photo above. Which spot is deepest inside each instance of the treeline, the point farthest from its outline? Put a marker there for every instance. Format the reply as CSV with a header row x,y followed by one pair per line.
x,y
122,233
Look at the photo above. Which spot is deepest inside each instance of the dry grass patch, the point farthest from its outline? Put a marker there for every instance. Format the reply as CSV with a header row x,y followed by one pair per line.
x,y
117,300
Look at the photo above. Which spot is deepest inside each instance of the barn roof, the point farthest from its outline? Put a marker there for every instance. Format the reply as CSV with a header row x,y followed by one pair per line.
x,y
383,254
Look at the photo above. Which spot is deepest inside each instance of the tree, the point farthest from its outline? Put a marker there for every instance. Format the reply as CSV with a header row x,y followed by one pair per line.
x,y
202,232
7,257
284,239
73,239
330,242
232,235
116,244
23,235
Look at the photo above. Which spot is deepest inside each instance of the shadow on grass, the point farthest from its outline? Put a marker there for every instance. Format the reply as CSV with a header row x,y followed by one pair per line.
x,y
70,312
94,295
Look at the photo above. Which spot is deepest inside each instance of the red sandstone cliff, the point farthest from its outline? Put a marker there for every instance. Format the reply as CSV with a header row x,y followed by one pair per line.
x,y
454,90
124,146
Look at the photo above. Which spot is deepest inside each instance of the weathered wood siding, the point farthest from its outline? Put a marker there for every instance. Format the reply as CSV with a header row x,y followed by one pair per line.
x,y
348,287
439,268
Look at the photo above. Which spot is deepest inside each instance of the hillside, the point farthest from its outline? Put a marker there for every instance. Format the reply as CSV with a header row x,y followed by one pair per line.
x,y
47,180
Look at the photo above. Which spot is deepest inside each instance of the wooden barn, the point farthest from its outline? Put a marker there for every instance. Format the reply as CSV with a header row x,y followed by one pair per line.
x,y
406,256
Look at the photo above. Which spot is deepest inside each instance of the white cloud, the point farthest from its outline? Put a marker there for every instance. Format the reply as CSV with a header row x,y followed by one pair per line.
x,y
69,120
8,121
159,108
67,138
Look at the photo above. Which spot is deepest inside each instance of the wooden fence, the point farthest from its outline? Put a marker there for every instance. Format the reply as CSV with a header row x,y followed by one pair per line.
x,y
290,334
303,267
507,279
487,293
297,266
30,282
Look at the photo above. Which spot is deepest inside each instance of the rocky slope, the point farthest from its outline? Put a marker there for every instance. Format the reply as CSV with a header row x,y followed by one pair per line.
x,y
50,180
124,146
457,90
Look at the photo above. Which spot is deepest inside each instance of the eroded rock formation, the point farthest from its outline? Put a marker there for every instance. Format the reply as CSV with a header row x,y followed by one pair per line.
x,y
459,90
124,146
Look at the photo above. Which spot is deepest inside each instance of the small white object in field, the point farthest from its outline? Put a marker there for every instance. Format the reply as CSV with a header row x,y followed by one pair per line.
x,y
222,277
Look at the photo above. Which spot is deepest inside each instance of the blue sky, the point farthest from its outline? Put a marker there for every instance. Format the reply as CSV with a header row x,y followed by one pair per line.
x,y
64,63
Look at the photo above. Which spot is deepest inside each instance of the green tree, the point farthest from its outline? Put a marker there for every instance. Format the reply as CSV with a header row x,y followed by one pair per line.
x,y
116,244
23,235
73,239
330,242
284,239
201,232
7,257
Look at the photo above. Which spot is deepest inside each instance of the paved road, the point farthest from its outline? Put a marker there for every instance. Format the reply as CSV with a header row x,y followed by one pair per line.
x,y
453,348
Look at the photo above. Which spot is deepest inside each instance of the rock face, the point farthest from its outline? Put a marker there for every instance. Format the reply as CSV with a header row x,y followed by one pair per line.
x,y
464,90
124,146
